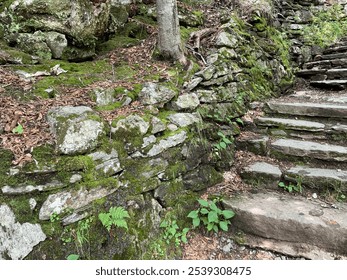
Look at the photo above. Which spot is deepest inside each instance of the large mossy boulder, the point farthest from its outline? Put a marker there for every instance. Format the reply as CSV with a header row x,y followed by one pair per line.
x,y
79,23
77,130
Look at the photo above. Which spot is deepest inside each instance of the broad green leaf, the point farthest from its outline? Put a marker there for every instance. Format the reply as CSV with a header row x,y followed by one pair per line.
x,y
215,228
193,214
223,225
227,141
228,214
18,129
203,203
212,217
185,231
172,231
213,206
210,226
73,257
223,145
196,222
281,185
164,224
290,189
221,134
204,220
204,211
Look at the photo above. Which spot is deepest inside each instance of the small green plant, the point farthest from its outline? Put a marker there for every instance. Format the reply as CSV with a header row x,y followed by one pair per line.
x,y
172,232
291,187
223,143
211,216
73,257
18,129
116,217
83,231
54,217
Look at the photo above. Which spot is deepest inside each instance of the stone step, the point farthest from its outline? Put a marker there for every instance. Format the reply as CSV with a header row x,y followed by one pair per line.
x,y
290,124
262,174
319,178
316,96
269,175
330,84
335,49
331,56
308,150
306,109
323,74
302,129
303,224
327,63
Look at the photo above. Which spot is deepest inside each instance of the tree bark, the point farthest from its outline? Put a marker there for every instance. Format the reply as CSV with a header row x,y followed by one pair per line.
x,y
169,37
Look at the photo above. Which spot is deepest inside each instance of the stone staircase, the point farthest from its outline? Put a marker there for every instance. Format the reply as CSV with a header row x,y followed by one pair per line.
x,y
299,141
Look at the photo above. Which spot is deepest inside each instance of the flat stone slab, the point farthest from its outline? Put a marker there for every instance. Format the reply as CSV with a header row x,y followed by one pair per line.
x,y
318,177
262,174
307,109
336,49
333,84
290,124
292,219
334,56
309,149
17,240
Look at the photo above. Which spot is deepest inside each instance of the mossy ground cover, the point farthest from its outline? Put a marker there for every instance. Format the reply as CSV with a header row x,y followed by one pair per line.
x,y
327,27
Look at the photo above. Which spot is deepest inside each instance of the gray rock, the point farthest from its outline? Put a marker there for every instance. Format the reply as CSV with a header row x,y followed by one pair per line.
x,y
225,39
157,165
167,143
184,119
34,44
132,122
17,240
309,149
148,141
262,174
73,218
75,178
32,203
287,218
172,127
318,177
206,73
155,94
74,199
157,125
290,124
104,96
108,163
307,109
24,189
227,248
57,43
193,83
186,102
81,21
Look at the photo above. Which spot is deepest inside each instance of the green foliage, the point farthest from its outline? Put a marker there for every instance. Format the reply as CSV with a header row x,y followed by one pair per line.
x,y
73,257
172,232
211,216
327,27
223,143
18,129
290,187
116,217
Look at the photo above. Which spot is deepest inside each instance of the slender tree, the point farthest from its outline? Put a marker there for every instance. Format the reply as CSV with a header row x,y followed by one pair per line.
x,y
169,38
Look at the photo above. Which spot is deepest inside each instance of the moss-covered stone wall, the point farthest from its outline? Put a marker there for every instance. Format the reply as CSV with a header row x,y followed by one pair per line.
x,y
153,163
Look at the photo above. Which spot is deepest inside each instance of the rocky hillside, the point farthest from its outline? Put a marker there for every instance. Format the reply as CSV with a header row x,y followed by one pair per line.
x,y
105,148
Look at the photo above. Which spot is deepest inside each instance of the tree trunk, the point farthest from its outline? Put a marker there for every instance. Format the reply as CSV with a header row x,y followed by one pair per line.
x,y
169,38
